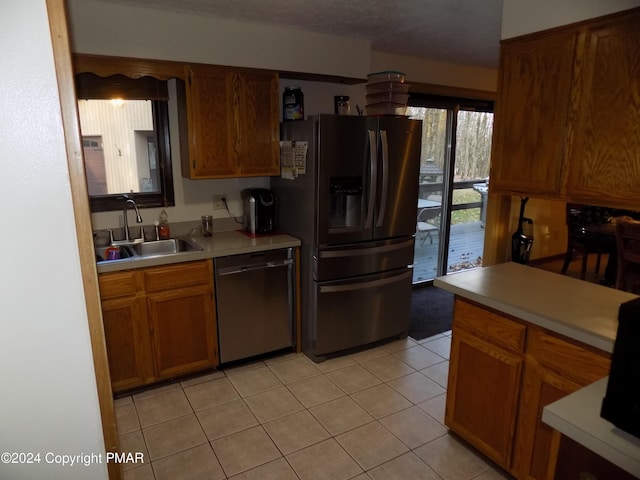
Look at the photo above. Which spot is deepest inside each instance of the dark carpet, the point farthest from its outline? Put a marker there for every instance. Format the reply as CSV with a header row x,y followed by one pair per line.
x,y
431,312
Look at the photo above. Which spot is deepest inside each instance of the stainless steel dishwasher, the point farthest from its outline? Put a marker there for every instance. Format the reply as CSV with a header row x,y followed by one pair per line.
x,y
254,301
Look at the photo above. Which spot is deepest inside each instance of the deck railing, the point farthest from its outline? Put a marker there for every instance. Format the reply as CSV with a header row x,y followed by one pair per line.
x,y
426,189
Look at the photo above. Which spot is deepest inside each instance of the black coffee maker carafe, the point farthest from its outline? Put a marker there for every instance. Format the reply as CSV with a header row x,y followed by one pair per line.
x,y
522,239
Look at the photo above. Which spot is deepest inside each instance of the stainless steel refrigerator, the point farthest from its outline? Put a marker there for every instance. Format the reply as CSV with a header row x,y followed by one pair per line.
x,y
354,209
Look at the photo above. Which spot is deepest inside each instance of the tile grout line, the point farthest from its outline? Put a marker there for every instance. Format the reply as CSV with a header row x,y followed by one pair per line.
x,y
320,373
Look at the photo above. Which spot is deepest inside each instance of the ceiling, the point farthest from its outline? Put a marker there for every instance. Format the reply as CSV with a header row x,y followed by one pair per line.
x,y
456,31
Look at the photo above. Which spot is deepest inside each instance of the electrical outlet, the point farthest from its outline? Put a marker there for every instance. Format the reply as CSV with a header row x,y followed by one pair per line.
x,y
219,202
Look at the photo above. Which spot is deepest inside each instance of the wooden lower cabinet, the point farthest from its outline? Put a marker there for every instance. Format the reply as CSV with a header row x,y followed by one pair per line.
x,y
576,462
159,322
183,335
484,378
499,384
127,339
554,368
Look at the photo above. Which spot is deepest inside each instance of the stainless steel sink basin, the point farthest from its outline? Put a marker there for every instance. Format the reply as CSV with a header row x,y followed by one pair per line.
x,y
155,248
122,252
165,247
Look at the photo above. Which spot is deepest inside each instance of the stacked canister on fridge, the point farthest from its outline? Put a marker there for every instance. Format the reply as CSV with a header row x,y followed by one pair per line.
x,y
387,93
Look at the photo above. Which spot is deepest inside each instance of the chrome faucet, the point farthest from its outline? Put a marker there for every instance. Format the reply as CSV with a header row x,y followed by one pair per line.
x,y
130,201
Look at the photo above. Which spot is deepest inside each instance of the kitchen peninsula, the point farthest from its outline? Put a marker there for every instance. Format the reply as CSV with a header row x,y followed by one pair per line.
x,y
522,339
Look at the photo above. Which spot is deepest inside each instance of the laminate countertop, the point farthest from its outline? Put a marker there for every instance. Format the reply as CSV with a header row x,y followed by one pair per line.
x,y
220,244
579,310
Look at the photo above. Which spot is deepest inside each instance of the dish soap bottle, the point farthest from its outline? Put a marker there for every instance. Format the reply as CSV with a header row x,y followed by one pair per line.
x,y
164,232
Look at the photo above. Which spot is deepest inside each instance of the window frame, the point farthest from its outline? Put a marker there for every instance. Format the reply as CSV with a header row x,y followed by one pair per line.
x,y
91,86
165,197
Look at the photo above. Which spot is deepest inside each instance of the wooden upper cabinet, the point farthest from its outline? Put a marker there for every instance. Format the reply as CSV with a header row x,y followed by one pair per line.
x,y
531,113
258,124
233,124
605,150
209,108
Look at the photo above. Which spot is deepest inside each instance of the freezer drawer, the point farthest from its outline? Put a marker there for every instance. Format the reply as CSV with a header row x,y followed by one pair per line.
x,y
254,301
364,258
356,312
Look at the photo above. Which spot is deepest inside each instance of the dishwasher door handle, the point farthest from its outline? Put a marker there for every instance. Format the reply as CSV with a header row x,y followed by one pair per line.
x,y
250,268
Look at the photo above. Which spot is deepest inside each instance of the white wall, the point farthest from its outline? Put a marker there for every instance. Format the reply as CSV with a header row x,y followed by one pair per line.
x,y
437,73
520,17
152,33
48,401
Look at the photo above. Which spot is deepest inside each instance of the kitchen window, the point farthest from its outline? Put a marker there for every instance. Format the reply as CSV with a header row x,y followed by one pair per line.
x,y
124,125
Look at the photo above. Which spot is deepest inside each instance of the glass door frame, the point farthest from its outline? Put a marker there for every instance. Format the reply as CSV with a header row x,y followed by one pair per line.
x,y
452,105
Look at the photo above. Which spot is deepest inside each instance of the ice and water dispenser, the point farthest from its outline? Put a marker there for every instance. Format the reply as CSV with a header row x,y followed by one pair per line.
x,y
346,202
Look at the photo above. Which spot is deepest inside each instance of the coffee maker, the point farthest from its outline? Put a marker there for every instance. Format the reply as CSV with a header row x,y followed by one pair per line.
x,y
260,210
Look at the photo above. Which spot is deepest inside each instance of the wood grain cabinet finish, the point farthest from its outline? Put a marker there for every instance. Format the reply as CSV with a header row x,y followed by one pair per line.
x,y
127,339
568,111
233,127
531,113
605,119
164,326
554,368
576,462
503,372
484,377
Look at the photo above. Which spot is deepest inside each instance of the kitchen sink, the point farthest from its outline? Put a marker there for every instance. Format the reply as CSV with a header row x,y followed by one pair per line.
x,y
123,252
165,247
154,248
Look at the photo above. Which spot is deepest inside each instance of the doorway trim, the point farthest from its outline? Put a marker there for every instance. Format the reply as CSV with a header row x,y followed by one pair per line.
x,y
82,215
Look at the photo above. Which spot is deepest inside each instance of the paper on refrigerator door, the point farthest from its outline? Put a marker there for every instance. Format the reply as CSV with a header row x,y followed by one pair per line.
x,y
293,158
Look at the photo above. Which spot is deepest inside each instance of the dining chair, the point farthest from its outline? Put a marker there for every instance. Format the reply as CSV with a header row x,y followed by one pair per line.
x,y
428,223
628,246
580,241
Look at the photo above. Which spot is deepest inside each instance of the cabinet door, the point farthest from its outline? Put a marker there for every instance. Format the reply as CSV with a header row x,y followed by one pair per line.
x,y
554,368
182,330
531,113
605,152
127,340
482,395
209,109
257,141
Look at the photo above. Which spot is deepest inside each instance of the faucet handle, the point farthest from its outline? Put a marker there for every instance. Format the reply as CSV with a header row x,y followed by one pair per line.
x,y
111,240
142,233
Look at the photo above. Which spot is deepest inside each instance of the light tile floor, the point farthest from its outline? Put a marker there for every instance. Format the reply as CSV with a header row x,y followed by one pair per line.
x,y
376,414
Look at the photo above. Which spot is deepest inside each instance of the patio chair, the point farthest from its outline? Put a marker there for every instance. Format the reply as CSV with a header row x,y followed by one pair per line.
x,y
428,223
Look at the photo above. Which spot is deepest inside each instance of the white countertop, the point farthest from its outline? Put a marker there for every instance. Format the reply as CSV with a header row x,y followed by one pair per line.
x,y
576,309
220,244
578,417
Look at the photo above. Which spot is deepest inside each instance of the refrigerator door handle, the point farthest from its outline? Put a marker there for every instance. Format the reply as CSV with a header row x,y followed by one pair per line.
x,y
373,174
385,177
365,285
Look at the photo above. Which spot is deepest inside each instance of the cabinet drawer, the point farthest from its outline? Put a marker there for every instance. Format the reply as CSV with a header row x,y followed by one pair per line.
x,y
569,359
490,326
177,276
119,284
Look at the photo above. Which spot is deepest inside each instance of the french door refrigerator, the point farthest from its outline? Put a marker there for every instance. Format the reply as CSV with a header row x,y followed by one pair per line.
x,y
354,209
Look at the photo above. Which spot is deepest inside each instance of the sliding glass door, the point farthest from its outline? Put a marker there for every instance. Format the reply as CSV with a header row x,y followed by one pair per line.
x,y
454,169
